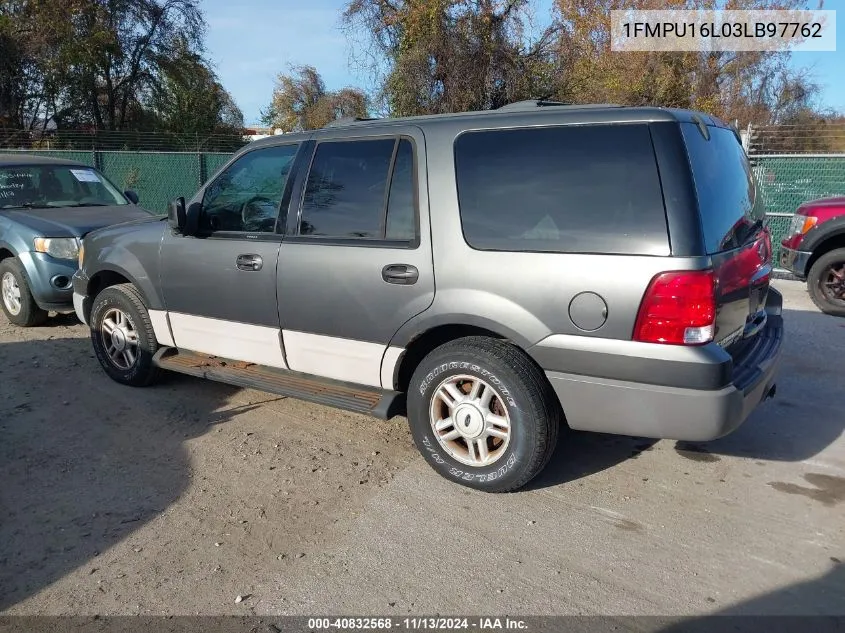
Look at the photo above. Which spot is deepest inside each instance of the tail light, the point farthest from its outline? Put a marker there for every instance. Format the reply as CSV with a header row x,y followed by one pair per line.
x,y
766,254
679,308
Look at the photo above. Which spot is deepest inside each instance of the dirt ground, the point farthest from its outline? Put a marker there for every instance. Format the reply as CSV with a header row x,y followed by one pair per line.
x,y
178,498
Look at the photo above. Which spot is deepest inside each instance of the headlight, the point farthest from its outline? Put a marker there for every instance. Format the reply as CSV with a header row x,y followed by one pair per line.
x,y
58,247
81,255
802,223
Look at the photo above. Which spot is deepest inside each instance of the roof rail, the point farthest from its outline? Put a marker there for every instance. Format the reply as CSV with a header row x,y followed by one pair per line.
x,y
531,104
348,120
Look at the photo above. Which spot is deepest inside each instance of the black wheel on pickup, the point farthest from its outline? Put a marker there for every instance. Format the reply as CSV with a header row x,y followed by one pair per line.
x,y
482,414
826,282
123,336
15,297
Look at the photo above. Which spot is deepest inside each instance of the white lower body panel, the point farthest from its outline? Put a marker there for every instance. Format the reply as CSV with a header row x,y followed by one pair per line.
x,y
230,339
331,357
161,328
358,362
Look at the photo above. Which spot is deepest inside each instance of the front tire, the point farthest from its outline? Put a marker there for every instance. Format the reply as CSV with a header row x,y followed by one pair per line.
x,y
123,336
826,282
16,298
483,414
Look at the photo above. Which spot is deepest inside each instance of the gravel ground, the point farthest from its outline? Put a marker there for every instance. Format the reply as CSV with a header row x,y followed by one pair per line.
x,y
179,498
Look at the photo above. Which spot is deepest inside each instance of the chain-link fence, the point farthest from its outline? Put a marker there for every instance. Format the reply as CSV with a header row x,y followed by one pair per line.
x,y
157,177
785,179
794,164
157,166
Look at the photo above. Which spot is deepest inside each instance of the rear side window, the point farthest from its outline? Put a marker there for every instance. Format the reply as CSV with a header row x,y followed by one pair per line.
x,y
361,190
727,195
574,189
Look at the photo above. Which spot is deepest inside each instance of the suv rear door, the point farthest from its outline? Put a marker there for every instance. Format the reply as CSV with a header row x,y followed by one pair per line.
x,y
732,226
356,262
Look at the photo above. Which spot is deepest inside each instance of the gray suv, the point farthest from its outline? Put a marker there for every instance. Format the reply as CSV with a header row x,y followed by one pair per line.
x,y
493,275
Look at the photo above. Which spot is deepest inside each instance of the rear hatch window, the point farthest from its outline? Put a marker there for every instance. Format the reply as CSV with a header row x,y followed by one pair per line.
x,y
732,224
727,198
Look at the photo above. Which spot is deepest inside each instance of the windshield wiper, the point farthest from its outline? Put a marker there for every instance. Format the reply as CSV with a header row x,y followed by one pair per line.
x,y
65,205
25,205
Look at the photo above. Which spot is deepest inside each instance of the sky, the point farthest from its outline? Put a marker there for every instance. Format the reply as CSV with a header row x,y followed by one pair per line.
x,y
250,42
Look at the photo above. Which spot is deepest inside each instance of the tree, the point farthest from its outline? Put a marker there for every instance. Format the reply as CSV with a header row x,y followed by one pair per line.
x,y
452,55
301,102
30,69
116,52
90,62
189,101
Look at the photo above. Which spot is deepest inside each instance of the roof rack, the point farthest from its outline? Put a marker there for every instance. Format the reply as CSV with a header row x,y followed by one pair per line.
x,y
348,120
531,104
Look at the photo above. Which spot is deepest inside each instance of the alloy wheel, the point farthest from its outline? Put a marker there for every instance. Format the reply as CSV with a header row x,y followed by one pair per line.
x,y
11,293
470,420
120,338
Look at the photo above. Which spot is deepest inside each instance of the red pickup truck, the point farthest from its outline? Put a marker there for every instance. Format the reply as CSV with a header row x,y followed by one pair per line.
x,y
814,250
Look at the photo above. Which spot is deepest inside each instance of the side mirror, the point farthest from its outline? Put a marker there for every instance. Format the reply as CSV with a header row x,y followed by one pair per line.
x,y
177,216
192,218
131,196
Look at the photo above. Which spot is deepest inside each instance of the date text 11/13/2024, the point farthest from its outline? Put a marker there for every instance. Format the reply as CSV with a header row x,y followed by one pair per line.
x,y
418,623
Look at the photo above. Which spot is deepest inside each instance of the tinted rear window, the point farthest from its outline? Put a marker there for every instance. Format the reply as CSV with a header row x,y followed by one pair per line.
x,y
575,189
727,195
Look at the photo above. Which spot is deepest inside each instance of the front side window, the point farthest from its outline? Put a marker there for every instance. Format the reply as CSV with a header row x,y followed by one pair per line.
x,y
361,190
46,186
567,189
247,195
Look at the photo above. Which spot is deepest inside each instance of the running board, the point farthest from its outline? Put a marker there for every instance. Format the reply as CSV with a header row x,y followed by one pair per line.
x,y
333,393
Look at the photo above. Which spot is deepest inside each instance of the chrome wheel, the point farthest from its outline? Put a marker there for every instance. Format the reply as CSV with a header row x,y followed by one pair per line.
x,y
11,293
470,420
120,338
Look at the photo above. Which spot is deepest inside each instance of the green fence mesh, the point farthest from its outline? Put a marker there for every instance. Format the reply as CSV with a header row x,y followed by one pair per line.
x,y
157,177
785,181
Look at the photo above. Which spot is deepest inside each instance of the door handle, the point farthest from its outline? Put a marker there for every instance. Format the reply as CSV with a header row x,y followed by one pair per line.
x,y
401,274
249,262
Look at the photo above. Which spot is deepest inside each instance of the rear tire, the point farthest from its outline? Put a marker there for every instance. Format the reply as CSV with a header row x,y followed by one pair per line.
x,y
499,429
123,336
826,282
16,298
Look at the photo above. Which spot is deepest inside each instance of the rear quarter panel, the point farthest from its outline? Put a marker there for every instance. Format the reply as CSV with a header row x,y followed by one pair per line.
x,y
523,296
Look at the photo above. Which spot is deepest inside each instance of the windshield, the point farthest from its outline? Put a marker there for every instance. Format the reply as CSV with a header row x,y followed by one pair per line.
x,y
44,186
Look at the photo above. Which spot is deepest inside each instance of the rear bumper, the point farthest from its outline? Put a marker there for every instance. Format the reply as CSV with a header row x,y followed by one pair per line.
x,y
794,261
628,407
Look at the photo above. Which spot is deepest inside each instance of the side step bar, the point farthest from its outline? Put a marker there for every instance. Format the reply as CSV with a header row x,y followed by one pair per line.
x,y
379,403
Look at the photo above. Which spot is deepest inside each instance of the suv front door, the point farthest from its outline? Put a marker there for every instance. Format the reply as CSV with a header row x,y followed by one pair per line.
x,y
356,263
220,285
